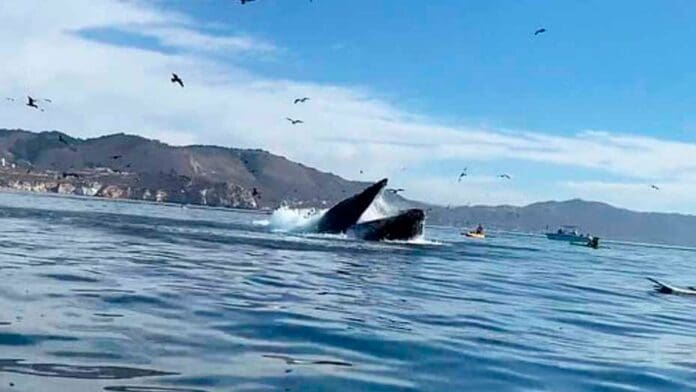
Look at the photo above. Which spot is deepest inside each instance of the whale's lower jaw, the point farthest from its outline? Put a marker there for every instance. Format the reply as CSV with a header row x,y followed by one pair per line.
x,y
402,227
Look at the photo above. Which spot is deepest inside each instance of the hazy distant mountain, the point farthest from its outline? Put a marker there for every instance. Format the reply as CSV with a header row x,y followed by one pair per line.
x,y
596,218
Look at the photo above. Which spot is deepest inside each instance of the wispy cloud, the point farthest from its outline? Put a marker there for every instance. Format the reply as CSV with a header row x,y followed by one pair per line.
x,y
185,38
98,87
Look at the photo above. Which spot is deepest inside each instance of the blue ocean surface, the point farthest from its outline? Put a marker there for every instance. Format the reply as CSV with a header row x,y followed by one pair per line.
x,y
119,296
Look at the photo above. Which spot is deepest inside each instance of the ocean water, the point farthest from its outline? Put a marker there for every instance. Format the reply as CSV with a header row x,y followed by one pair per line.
x,y
115,296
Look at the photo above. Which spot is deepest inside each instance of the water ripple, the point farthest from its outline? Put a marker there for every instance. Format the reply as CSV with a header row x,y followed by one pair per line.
x,y
203,300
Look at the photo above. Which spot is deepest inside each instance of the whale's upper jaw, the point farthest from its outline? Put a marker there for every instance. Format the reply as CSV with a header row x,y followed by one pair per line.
x,y
347,212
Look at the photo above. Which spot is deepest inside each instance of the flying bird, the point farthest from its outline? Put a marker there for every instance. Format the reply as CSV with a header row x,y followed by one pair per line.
x,y
462,174
10,99
655,187
48,100
506,176
540,31
294,121
395,191
177,79
246,1
116,156
301,100
31,102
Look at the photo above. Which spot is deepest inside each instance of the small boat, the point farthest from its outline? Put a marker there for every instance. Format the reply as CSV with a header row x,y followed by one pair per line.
x,y
473,234
568,234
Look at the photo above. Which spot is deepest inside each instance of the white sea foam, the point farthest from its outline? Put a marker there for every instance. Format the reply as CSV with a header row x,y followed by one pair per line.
x,y
294,219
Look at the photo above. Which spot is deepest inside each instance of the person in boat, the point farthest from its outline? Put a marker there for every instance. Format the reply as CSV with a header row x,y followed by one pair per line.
x,y
479,229
593,242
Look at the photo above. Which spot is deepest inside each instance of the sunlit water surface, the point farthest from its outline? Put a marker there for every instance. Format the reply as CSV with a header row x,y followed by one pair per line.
x,y
132,297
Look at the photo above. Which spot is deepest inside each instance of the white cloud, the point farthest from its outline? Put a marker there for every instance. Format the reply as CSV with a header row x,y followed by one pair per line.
x,y
98,88
189,39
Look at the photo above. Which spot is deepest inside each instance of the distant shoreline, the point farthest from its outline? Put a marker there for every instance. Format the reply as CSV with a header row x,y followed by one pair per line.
x,y
263,211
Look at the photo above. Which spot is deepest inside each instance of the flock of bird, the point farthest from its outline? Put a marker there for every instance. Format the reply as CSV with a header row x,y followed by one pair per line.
x,y
176,79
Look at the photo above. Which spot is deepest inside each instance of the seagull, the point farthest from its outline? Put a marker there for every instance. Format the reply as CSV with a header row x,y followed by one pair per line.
x,y
177,79
10,99
655,187
301,100
48,100
294,121
540,31
246,1
31,102
462,174
255,192
506,176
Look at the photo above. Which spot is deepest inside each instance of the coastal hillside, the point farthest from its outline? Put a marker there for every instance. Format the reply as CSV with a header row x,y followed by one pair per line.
x,y
133,167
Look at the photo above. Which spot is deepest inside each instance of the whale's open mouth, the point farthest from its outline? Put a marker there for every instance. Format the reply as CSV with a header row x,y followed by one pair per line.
x,y
344,216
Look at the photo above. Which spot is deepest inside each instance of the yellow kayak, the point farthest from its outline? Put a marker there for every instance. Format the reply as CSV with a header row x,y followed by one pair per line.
x,y
473,234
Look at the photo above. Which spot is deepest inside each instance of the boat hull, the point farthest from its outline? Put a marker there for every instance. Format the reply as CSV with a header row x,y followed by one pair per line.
x,y
566,237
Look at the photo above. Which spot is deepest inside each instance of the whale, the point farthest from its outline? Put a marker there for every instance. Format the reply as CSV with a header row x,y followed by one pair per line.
x,y
344,217
347,212
404,226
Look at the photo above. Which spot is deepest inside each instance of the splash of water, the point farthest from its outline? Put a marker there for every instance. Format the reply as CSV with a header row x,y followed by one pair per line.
x,y
294,219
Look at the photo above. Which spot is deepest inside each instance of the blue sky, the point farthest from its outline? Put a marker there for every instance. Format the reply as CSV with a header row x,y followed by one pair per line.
x,y
622,65
598,107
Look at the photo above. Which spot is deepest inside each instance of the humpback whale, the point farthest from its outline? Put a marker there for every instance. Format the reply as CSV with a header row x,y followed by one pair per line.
x,y
344,216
